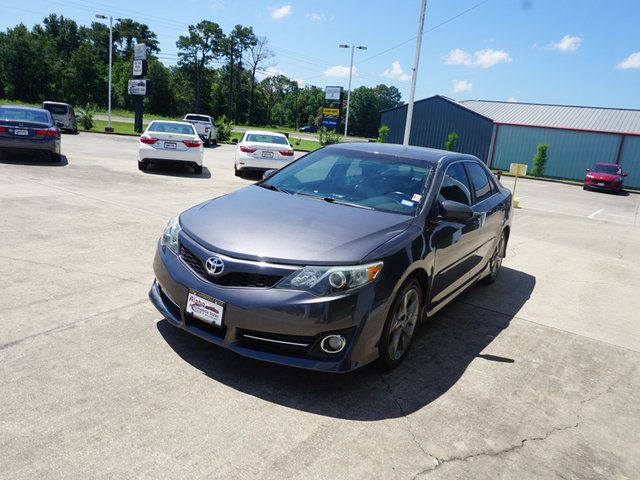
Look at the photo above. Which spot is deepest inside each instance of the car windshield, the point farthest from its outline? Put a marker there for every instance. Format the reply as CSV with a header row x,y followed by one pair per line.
x,y
610,169
166,127
56,109
265,138
360,179
24,115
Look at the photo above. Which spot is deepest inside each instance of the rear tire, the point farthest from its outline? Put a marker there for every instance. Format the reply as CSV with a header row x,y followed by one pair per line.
x,y
214,141
401,324
142,165
495,262
239,173
207,142
55,157
197,169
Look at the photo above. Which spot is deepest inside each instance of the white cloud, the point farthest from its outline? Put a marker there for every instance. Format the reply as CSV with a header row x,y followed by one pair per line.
x,y
485,58
567,44
460,86
632,61
316,17
218,4
270,72
281,12
511,99
338,71
396,73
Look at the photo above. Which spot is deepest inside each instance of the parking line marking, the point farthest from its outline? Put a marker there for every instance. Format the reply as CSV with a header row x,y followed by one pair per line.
x,y
520,198
596,213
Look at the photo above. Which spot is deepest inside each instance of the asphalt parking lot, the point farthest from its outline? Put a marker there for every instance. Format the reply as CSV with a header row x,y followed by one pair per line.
x,y
535,377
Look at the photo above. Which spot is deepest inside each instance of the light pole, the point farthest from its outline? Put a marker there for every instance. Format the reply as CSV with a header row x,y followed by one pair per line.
x,y
109,128
346,118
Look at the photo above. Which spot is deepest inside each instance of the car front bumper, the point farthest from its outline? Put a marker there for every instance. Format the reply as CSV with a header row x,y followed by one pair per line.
x,y
275,325
591,183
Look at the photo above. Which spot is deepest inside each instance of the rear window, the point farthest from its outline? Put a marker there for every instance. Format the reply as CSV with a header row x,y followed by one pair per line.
x,y
167,127
24,115
278,140
198,118
56,109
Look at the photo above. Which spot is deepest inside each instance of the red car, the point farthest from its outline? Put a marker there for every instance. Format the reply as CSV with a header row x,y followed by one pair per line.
x,y
604,176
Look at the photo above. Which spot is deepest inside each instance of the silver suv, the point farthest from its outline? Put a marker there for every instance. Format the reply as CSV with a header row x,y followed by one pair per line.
x,y
63,115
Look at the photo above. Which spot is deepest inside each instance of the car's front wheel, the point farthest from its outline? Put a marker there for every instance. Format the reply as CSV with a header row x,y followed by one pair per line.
x,y
402,322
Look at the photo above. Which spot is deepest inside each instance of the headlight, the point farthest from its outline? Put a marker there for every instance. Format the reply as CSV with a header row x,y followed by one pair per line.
x,y
331,280
170,235
589,175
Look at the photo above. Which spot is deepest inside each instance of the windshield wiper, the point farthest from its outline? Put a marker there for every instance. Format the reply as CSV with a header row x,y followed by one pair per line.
x,y
268,186
349,204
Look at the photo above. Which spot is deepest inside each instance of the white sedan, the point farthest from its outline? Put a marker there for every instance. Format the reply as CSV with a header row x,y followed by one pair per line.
x,y
165,141
261,150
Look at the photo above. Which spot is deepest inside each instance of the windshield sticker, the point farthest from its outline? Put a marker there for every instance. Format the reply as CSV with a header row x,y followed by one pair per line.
x,y
407,203
416,197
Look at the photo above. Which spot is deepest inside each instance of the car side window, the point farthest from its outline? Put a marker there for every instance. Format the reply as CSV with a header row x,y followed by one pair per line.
x,y
482,186
455,185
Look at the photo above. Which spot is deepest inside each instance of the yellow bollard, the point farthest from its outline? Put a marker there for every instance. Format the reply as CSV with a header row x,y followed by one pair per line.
x,y
516,169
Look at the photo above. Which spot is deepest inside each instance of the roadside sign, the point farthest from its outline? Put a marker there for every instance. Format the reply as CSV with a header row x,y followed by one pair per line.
x,y
330,122
140,51
139,86
138,68
333,93
331,112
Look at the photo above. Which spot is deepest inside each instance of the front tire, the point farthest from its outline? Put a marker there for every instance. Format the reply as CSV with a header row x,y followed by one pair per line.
x,y
400,326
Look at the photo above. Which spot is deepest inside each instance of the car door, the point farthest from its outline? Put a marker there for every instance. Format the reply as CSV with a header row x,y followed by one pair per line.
x,y
488,215
453,241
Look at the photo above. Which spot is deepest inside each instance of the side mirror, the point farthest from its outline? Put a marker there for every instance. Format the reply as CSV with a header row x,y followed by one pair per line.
x,y
588,169
235,140
450,210
624,174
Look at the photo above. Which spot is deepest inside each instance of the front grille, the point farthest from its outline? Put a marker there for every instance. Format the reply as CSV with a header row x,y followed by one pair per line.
x,y
231,279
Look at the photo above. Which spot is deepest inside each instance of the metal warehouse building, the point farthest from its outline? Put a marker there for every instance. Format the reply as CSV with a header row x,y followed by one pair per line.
x,y
501,133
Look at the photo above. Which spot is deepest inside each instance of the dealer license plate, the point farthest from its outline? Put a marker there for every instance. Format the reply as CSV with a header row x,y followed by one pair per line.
x,y
267,154
205,308
170,145
20,131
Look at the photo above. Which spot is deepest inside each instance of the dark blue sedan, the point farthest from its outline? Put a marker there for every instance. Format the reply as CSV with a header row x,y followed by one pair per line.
x,y
333,261
29,129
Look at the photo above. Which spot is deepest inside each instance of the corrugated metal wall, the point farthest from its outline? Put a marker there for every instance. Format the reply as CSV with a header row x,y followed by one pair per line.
x,y
630,160
434,119
570,152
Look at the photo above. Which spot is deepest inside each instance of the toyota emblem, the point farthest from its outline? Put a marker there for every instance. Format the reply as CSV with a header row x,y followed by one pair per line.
x,y
214,265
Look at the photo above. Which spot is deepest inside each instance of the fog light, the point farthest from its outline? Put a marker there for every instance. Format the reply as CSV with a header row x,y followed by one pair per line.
x,y
333,343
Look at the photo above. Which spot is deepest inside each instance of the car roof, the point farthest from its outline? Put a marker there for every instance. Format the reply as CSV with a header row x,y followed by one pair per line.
x,y
265,132
415,153
24,107
171,121
57,103
608,164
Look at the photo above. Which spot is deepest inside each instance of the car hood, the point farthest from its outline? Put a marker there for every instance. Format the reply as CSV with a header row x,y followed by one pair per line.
x,y
260,224
604,176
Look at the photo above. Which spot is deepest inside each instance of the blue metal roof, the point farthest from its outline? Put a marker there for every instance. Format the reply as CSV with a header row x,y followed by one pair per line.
x,y
610,120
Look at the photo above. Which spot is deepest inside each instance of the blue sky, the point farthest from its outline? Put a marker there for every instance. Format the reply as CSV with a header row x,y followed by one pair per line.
x,y
568,52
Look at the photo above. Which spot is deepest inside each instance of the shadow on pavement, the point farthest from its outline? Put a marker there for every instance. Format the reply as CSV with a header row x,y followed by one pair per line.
x,y
178,169
442,351
23,158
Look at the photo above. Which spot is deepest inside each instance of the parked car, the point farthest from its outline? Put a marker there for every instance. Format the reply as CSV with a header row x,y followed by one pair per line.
x,y
64,114
604,176
309,129
330,262
206,128
165,141
261,150
29,129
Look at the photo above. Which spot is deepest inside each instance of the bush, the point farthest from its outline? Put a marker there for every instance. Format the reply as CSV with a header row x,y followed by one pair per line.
x,y
328,137
451,143
224,128
383,131
85,115
540,160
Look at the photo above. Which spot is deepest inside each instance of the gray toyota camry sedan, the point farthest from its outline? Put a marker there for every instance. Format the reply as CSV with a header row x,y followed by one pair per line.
x,y
333,261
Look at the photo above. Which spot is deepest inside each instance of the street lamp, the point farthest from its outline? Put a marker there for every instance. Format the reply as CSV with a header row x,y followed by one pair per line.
x,y
109,128
346,118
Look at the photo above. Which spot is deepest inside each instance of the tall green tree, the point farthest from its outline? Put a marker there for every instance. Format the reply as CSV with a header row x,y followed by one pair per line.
x,y
204,44
257,58
239,41
127,33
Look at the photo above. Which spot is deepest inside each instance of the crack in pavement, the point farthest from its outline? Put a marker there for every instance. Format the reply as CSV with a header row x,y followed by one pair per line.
x,y
539,438
68,270
71,325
